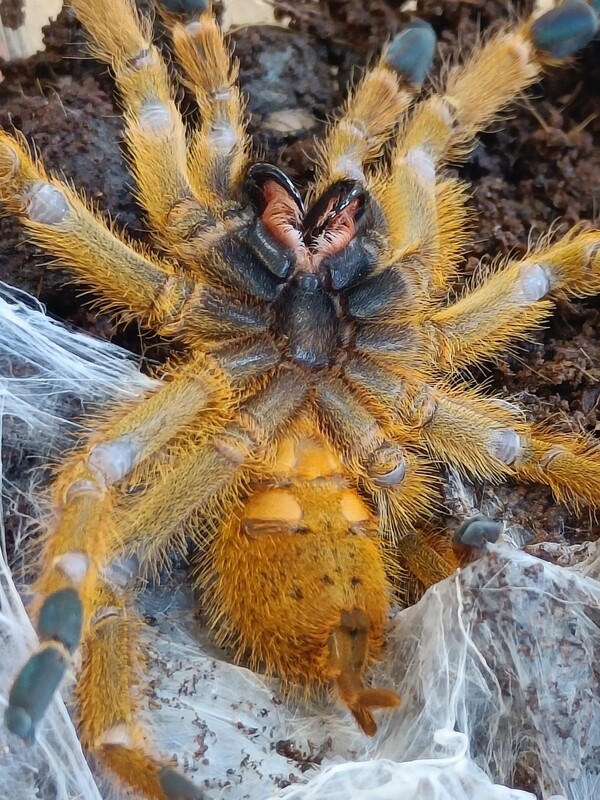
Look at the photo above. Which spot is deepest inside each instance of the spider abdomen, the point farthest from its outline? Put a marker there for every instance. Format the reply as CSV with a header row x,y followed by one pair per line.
x,y
299,566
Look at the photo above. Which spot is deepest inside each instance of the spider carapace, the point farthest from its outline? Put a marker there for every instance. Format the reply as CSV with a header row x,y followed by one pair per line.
x,y
296,441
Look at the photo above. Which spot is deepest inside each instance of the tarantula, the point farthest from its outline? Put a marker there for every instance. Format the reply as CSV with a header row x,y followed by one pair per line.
x,y
320,383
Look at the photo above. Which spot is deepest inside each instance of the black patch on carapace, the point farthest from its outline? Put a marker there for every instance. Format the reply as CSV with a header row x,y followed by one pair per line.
x,y
307,318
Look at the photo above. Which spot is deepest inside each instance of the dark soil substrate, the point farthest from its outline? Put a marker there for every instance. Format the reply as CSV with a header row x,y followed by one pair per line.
x,y
539,166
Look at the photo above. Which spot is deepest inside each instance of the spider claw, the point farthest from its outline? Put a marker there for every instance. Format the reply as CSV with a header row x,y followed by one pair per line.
x,y
188,7
566,28
411,52
478,531
60,623
177,787
33,691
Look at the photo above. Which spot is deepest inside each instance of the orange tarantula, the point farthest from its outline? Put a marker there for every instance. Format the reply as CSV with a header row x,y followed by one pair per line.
x,y
319,386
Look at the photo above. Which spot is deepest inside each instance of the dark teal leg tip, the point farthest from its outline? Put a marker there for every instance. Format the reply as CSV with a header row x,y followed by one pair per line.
x,y
33,690
565,29
61,618
188,7
411,52
18,721
177,787
478,531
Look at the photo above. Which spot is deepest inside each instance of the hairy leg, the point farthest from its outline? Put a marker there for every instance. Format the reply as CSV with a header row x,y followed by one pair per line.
x,y
155,131
109,726
376,107
128,278
488,438
91,527
219,148
443,127
515,299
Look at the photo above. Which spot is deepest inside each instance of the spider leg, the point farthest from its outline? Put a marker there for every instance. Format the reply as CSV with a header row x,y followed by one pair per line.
x,y
484,437
86,530
515,299
91,528
443,127
59,221
397,481
109,728
488,438
427,219
155,131
428,226
428,557
219,147
394,477
212,468
123,272
452,423
569,464
374,109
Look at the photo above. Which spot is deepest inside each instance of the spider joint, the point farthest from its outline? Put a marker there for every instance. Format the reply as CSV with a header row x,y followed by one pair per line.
x,y
155,118
118,735
113,460
144,60
533,284
47,204
553,452
422,162
505,445
9,163
232,450
74,565
223,136
84,486
104,614
387,465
